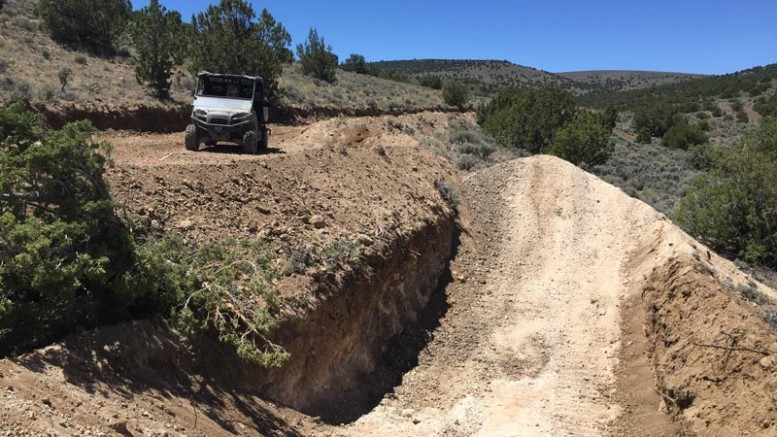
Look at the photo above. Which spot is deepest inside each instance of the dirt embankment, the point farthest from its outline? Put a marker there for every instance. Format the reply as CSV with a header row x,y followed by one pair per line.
x,y
712,354
150,118
174,117
369,202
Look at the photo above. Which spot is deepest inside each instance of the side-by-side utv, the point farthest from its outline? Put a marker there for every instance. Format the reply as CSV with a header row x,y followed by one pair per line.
x,y
229,108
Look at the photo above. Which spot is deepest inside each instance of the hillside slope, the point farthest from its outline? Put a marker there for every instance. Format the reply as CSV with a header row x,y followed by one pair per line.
x,y
616,80
105,90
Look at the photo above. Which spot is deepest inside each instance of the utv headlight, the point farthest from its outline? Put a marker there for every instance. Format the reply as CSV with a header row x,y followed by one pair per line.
x,y
240,117
199,113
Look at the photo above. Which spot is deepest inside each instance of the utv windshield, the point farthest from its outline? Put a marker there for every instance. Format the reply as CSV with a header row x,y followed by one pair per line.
x,y
226,86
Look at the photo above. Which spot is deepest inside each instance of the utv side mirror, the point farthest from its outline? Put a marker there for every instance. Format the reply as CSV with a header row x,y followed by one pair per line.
x,y
266,114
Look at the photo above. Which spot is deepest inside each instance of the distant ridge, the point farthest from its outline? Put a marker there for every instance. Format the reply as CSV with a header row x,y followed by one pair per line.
x,y
485,77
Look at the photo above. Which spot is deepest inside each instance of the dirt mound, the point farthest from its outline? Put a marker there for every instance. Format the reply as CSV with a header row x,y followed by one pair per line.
x,y
713,354
533,343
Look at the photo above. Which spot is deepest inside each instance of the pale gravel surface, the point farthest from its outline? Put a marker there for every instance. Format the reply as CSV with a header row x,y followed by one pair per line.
x,y
546,327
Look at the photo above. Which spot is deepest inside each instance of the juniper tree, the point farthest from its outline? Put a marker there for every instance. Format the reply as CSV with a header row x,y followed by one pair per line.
x,y
94,25
317,58
158,36
227,39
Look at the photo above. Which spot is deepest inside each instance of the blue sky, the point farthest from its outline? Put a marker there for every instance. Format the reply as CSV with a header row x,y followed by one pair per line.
x,y
694,36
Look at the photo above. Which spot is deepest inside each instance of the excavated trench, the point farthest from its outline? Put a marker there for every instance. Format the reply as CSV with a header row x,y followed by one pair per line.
x,y
351,350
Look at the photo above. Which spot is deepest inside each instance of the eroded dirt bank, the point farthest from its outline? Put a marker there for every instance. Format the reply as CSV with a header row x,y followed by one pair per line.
x,y
174,116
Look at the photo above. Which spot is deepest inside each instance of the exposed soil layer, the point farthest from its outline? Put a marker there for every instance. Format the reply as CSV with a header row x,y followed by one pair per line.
x,y
151,118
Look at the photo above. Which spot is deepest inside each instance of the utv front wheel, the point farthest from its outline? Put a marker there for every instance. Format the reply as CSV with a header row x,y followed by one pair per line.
x,y
249,143
190,138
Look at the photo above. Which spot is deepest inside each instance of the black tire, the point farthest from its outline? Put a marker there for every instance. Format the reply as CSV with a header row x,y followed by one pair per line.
x,y
190,138
249,143
263,140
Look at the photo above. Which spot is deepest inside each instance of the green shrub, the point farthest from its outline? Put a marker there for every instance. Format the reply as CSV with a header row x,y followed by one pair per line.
x,y
702,157
95,25
471,142
232,295
584,140
455,93
355,64
684,134
433,82
764,139
527,118
657,118
716,111
317,58
67,260
742,117
61,245
396,76
733,206
766,106
644,136
609,118
466,162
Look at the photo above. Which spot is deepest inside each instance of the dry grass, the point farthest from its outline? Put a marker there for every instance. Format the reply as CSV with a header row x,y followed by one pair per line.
x,y
33,62
354,91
